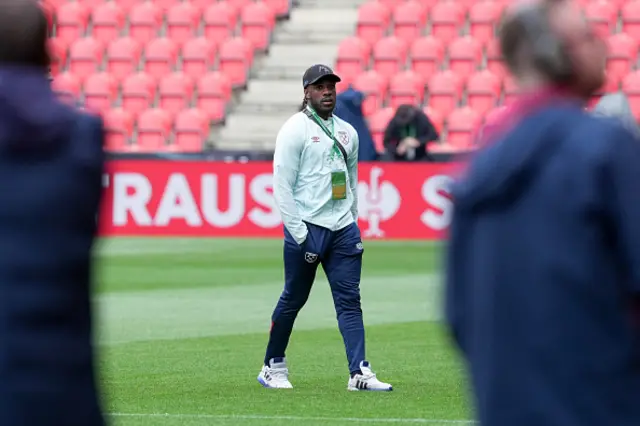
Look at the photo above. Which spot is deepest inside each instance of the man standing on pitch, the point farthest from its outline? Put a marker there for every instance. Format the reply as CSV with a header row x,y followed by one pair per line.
x,y
315,170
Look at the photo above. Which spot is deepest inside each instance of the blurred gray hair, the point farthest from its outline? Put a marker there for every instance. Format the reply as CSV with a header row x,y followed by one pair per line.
x,y
617,105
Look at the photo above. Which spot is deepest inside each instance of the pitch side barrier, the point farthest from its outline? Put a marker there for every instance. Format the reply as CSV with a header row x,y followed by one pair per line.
x,y
193,196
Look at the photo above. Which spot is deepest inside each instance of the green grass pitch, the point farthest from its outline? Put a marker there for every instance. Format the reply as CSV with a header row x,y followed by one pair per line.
x,y
182,326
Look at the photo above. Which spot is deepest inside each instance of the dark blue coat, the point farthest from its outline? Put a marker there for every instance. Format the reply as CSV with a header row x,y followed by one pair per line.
x,y
544,269
51,163
349,108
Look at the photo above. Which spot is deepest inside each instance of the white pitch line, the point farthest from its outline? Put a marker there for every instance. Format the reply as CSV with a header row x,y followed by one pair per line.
x,y
294,418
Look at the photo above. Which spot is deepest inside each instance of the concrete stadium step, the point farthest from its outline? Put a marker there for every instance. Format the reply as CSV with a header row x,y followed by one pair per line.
x,y
266,96
274,92
327,4
290,61
317,26
310,38
252,131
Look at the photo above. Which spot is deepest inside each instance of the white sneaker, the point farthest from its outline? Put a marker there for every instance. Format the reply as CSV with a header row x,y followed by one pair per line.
x,y
367,381
275,375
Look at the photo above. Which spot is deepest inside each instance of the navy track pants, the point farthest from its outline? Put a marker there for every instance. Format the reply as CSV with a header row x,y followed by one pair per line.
x,y
340,254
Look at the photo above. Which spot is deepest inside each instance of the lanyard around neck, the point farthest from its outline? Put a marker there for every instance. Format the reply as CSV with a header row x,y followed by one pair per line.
x,y
336,147
323,125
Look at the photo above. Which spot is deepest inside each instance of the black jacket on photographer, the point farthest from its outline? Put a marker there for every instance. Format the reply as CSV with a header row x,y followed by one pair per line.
x,y
409,121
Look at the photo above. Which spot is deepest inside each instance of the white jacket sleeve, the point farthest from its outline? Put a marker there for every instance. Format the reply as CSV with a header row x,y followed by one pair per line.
x,y
286,164
352,167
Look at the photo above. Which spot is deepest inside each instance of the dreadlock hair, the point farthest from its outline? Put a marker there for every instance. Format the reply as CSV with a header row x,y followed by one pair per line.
x,y
303,105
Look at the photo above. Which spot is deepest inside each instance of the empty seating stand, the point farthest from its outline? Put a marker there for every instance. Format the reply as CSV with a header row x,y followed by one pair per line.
x,y
442,55
160,72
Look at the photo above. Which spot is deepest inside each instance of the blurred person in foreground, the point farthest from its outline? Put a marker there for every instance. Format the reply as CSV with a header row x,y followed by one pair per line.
x,y
407,135
349,108
543,265
51,163
315,171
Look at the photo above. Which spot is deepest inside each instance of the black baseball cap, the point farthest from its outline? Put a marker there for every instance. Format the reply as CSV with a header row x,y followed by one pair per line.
x,y
316,73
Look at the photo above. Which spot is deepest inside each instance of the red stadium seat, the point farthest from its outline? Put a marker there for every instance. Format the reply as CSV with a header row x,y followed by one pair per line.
x,y
220,20
123,57
71,22
428,4
257,21
462,123
100,90
622,54
373,21
494,59
182,22
238,4
138,93
154,130
617,3
58,51
630,14
464,6
67,85
602,15
389,4
165,5
483,91
378,124
446,18
389,56
374,87
201,5
426,55
176,92
85,57
435,117
161,56
465,55
279,7
107,20
409,19
191,130
235,60
445,90
90,4
145,20
352,58
214,91
483,18
406,88
127,5
52,5
631,87
198,56
118,125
